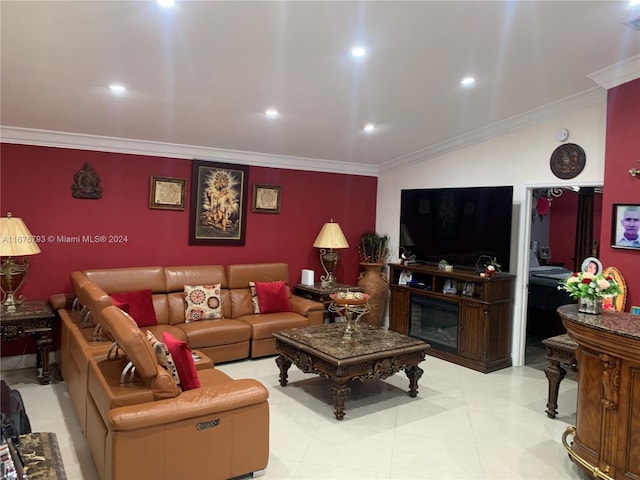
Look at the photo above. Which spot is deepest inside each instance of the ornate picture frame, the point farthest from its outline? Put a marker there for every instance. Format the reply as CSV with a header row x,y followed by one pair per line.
x,y
266,198
625,223
218,203
167,193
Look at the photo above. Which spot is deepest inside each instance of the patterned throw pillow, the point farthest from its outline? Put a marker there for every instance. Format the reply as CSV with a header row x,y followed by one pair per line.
x,y
164,356
203,302
254,297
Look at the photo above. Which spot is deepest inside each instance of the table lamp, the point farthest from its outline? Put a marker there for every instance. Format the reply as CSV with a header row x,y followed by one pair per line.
x,y
15,241
328,240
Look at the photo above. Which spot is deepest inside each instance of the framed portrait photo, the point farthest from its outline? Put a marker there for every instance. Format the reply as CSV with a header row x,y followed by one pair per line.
x,y
266,198
218,203
625,226
167,193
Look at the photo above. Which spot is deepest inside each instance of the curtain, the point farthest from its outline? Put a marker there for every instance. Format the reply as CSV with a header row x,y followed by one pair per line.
x,y
584,246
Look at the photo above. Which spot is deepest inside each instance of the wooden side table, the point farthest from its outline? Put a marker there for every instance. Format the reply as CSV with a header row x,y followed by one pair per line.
x,y
319,293
31,318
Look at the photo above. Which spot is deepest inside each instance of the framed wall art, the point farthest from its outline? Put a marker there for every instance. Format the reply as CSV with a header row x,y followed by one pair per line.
x,y
167,193
625,226
266,198
218,203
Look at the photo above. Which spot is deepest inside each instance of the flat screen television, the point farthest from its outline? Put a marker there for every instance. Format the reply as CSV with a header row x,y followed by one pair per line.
x,y
457,224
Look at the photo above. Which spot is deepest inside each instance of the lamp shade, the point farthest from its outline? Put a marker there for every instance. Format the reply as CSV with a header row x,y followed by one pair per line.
x,y
331,236
15,238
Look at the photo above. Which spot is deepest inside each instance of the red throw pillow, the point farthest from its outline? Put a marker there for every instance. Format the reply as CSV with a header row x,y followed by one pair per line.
x,y
183,358
272,297
140,306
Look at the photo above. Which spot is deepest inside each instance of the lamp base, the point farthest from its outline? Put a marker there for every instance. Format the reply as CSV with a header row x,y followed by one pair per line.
x,y
329,260
10,270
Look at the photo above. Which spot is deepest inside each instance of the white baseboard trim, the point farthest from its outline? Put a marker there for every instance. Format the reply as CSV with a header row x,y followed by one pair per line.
x,y
28,360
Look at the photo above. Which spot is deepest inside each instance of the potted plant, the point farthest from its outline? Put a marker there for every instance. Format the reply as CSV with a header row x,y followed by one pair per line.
x,y
589,289
373,248
374,251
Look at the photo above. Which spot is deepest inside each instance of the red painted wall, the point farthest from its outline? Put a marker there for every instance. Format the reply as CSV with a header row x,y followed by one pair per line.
x,y
562,226
622,152
36,186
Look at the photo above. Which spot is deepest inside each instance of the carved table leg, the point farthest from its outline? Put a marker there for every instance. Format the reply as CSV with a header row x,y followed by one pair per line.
x,y
414,373
43,342
555,373
283,363
340,392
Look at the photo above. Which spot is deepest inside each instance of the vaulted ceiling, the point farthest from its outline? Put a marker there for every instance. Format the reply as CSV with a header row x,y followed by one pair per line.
x,y
203,72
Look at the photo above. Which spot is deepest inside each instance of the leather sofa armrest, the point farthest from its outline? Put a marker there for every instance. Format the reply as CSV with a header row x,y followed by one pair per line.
x,y
207,400
60,301
303,305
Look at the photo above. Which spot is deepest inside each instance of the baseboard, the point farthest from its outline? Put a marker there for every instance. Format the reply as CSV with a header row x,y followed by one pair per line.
x,y
15,362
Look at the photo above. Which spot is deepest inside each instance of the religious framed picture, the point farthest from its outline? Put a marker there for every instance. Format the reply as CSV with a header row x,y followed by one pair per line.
x,y
625,226
167,193
266,198
218,203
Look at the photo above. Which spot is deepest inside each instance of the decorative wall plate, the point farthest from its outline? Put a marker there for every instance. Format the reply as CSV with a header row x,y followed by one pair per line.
x,y
568,160
618,302
86,184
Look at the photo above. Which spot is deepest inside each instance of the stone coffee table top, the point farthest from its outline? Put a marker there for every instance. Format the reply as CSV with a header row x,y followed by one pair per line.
x,y
329,340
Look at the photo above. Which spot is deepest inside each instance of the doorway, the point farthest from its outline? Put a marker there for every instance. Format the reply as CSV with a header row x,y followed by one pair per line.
x,y
527,342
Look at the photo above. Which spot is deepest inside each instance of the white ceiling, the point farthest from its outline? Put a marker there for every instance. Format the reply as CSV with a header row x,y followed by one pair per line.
x,y
203,73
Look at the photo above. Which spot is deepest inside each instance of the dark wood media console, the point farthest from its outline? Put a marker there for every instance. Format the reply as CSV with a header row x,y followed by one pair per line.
x,y
472,327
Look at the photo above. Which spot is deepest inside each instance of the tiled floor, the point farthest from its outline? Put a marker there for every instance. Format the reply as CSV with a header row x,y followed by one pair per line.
x,y
462,425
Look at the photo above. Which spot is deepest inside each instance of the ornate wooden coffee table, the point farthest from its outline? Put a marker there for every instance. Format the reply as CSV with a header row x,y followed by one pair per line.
x,y
372,353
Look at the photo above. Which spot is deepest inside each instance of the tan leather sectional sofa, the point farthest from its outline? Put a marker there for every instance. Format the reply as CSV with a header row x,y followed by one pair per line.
x,y
142,426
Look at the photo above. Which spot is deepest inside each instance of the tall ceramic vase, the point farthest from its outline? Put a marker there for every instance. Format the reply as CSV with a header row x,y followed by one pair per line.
x,y
374,282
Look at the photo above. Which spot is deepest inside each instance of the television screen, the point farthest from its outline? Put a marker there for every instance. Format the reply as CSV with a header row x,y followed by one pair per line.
x,y
457,224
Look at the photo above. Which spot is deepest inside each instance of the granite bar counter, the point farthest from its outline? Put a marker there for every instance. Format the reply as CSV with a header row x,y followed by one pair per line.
x,y
606,438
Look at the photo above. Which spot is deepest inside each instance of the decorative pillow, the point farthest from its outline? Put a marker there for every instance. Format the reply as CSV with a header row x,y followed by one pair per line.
x,y
254,297
121,305
165,359
272,297
203,302
140,306
183,358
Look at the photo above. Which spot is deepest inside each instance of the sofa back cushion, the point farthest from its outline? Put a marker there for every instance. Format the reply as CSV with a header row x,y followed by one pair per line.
x,y
128,279
177,277
133,342
131,279
239,276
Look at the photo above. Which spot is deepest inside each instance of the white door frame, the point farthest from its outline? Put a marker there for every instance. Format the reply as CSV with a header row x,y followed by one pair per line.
x,y
519,337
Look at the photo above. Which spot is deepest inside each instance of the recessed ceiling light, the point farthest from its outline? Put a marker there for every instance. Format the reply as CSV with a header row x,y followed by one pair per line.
x,y
358,51
166,3
468,81
117,88
369,127
271,113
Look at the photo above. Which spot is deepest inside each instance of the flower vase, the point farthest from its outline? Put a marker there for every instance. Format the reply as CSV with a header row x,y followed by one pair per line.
x,y
590,305
374,282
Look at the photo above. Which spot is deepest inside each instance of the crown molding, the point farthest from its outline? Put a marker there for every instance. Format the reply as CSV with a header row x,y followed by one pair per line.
x,y
582,100
48,138
617,74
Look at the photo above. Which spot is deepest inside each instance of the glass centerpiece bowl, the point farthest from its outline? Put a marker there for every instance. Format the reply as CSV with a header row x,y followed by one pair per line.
x,y
351,305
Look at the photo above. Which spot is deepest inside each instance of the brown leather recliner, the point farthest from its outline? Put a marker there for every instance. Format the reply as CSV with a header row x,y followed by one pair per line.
x,y
146,428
